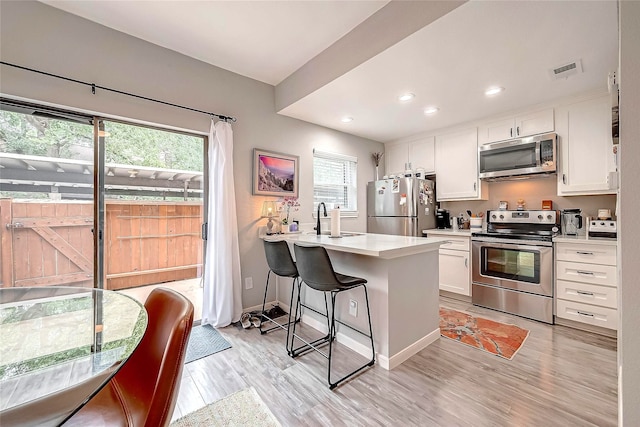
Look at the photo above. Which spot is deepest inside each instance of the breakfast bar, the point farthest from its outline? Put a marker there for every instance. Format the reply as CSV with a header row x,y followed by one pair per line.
x,y
402,275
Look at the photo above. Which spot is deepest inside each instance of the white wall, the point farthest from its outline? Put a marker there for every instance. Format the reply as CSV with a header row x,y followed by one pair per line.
x,y
38,36
629,295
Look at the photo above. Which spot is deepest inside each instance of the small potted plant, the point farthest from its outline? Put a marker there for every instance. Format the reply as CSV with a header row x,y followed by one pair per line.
x,y
376,161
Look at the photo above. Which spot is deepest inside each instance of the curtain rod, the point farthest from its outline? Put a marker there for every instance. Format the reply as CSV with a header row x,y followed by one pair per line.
x,y
95,86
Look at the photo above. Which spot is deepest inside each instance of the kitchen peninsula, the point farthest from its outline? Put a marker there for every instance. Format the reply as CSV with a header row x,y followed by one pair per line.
x,y
402,275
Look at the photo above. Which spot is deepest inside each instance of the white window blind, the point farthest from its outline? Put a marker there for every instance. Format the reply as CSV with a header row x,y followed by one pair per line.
x,y
335,178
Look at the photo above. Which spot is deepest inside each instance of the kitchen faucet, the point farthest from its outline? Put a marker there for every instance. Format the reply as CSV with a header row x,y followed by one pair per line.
x,y
325,214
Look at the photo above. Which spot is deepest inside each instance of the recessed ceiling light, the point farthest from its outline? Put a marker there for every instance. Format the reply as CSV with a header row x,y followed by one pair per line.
x,y
406,97
493,90
431,110
347,119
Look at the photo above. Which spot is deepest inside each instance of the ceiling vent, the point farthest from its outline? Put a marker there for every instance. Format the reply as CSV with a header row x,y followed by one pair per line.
x,y
566,70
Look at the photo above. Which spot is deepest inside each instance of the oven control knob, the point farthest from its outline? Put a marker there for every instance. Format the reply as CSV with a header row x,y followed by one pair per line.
x,y
493,216
540,217
501,216
549,217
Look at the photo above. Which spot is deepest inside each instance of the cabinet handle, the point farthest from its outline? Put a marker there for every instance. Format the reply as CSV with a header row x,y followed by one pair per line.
x,y
474,186
511,132
466,263
582,313
590,294
564,178
588,273
518,131
584,253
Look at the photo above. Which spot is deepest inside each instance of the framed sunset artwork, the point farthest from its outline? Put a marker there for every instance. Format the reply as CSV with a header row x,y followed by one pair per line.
x,y
274,174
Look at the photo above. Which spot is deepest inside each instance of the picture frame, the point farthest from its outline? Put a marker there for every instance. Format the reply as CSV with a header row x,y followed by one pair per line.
x,y
275,174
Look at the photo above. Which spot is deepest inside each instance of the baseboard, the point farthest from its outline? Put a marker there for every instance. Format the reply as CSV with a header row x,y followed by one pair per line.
x,y
387,363
455,296
340,337
267,306
612,333
397,359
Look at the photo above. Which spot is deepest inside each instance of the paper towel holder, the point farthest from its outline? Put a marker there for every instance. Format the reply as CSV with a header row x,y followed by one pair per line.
x,y
335,222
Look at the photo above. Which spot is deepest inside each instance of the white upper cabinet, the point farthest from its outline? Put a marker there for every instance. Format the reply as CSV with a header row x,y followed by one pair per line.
x,y
414,154
587,163
422,154
457,167
397,156
517,127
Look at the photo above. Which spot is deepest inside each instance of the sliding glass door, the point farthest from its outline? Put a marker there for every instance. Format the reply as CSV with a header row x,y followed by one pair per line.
x,y
46,197
154,192
67,178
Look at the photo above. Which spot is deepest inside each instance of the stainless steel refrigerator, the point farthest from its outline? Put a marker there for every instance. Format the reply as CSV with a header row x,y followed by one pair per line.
x,y
401,206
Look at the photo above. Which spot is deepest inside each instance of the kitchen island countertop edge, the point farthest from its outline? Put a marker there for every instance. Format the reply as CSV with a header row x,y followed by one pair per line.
x,y
378,245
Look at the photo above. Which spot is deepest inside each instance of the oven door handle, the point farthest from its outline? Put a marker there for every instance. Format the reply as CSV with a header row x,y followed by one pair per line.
x,y
508,244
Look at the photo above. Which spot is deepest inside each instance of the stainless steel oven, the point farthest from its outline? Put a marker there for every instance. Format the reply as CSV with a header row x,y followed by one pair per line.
x,y
512,263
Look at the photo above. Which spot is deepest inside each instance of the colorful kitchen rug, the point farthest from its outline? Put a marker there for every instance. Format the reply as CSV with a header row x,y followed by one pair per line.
x,y
497,338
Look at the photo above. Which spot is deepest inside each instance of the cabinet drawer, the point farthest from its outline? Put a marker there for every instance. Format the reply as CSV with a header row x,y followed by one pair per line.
x,y
456,243
593,254
587,273
588,294
585,313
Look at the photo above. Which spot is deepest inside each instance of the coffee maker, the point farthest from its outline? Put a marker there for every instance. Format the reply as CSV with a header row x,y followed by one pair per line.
x,y
443,219
571,221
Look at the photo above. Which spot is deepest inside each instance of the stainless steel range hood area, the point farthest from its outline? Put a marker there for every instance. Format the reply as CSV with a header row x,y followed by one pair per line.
x,y
524,158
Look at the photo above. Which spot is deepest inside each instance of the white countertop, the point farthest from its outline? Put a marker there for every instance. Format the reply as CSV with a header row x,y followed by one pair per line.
x,y
450,232
377,245
586,240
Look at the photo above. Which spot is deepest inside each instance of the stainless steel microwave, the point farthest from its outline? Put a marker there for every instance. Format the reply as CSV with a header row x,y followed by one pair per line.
x,y
518,158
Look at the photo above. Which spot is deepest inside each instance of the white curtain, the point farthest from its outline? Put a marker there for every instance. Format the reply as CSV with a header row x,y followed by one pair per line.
x,y
222,294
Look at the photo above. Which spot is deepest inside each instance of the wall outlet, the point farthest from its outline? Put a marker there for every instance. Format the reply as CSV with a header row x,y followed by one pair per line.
x,y
248,282
353,308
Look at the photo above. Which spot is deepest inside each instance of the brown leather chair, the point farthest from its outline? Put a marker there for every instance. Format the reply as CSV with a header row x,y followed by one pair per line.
x,y
145,390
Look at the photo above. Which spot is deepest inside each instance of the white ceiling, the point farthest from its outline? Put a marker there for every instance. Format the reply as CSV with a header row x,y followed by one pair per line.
x,y
264,40
451,62
448,63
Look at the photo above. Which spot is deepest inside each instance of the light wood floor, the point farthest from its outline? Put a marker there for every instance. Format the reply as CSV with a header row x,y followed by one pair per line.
x,y
561,377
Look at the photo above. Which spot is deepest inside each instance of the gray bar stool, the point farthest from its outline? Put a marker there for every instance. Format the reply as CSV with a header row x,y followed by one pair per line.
x,y
281,264
316,270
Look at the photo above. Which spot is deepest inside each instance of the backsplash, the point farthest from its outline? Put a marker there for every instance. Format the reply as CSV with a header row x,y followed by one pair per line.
x,y
533,192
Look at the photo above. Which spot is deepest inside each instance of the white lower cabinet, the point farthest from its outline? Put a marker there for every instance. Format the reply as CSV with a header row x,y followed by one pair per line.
x,y
587,313
587,284
455,266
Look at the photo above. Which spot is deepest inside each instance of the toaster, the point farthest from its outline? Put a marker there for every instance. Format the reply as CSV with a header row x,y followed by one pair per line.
x,y
603,228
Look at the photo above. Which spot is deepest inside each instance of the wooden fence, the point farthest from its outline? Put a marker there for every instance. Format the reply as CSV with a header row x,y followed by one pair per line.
x,y
46,243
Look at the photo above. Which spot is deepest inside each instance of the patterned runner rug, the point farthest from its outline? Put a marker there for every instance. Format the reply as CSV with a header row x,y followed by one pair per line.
x,y
244,408
497,338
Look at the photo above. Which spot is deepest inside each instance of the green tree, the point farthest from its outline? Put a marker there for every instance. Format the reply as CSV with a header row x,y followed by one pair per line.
x,y
140,146
42,136
124,143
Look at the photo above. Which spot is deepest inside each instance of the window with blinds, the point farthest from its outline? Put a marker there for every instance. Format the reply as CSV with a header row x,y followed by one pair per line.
x,y
335,182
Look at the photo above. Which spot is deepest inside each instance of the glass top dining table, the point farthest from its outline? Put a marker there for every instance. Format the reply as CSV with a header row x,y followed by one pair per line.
x,y
59,346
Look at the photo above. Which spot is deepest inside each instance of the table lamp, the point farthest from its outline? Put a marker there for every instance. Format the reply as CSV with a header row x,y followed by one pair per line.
x,y
269,209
